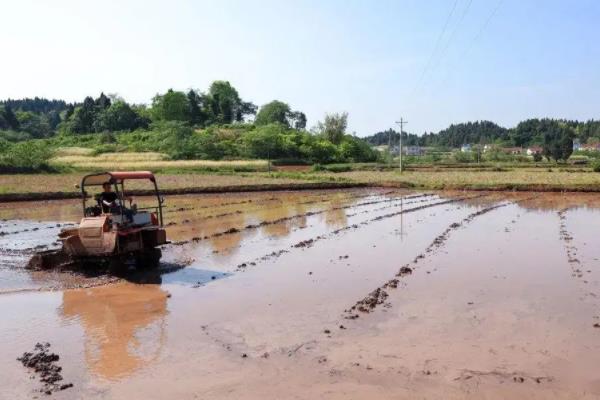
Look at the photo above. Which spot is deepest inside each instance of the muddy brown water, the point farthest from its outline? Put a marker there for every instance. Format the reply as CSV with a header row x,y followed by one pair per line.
x,y
254,299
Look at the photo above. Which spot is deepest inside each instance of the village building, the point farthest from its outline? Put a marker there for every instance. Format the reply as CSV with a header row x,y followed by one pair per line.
x,y
534,150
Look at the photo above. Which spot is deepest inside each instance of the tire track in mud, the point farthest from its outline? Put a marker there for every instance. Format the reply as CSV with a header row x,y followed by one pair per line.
x,y
285,219
88,279
395,203
323,198
501,376
34,229
577,267
311,241
571,250
378,296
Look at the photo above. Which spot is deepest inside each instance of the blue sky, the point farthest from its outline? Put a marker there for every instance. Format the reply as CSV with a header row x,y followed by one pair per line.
x,y
532,58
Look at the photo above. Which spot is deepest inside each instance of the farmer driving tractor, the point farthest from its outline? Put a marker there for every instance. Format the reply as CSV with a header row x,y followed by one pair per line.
x,y
107,199
110,233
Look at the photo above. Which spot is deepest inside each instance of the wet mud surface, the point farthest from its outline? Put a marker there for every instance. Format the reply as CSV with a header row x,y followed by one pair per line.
x,y
352,293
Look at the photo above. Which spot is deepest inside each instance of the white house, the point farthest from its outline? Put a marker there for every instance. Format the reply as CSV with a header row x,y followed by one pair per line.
x,y
534,150
465,148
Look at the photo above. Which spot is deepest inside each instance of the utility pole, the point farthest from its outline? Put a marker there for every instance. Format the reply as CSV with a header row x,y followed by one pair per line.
x,y
401,123
390,148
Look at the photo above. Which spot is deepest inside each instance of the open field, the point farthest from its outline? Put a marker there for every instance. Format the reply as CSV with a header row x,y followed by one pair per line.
x,y
359,293
522,179
514,179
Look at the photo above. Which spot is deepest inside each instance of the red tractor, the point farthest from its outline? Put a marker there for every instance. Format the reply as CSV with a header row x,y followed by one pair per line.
x,y
110,232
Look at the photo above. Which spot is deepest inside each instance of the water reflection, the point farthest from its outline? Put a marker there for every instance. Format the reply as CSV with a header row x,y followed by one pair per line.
x,y
335,217
123,326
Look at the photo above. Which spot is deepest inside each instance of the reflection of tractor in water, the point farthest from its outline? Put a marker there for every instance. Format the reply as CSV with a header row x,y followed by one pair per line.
x,y
109,232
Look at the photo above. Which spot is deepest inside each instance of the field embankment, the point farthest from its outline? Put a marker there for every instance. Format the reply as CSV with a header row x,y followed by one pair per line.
x,y
63,186
534,179
176,180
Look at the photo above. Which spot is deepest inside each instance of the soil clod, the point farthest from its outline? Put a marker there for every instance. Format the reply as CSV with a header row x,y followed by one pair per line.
x,y
44,364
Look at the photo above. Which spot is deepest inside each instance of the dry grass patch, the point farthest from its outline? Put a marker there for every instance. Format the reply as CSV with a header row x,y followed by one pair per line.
x,y
152,161
512,179
73,152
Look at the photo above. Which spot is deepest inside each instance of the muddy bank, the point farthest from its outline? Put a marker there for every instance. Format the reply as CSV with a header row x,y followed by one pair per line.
x,y
37,196
542,188
509,187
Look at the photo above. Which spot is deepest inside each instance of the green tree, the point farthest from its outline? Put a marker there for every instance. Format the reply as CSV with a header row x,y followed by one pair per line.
x,y
11,118
273,112
171,106
118,117
83,118
558,141
102,102
195,103
333,127
28,155
265,142
322,151
35,124
297,119
353,149
69,112
224,106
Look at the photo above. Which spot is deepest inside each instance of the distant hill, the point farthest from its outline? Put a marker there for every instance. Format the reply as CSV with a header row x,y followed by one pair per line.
x,y
526,133
36,105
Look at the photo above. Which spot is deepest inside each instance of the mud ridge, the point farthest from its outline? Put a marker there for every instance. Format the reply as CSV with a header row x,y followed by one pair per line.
x,y
567,238
309,242
368,303
517,377
35,229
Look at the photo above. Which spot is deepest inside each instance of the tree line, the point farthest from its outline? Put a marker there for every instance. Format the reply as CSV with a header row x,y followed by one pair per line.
x,y
215,124
527,133
220,104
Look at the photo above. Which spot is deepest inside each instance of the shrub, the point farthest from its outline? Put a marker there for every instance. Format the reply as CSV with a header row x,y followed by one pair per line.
x,y
462,157
29,156
339,168
596,166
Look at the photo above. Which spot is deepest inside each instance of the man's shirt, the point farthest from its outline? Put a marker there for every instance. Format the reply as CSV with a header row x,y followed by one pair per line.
x,y
107,197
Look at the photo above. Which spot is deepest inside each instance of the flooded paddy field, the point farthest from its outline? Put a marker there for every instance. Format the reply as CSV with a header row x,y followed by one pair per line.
x,y
363,293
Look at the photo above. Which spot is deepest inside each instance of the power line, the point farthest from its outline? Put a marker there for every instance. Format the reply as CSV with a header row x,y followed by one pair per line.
x,y
435,49
478,34
484,26
462,17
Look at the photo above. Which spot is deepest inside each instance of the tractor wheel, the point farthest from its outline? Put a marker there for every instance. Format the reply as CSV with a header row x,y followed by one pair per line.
x,y
148,259
116,264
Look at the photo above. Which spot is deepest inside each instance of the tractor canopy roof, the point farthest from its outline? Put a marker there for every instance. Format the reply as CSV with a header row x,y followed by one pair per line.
x,y
115,177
